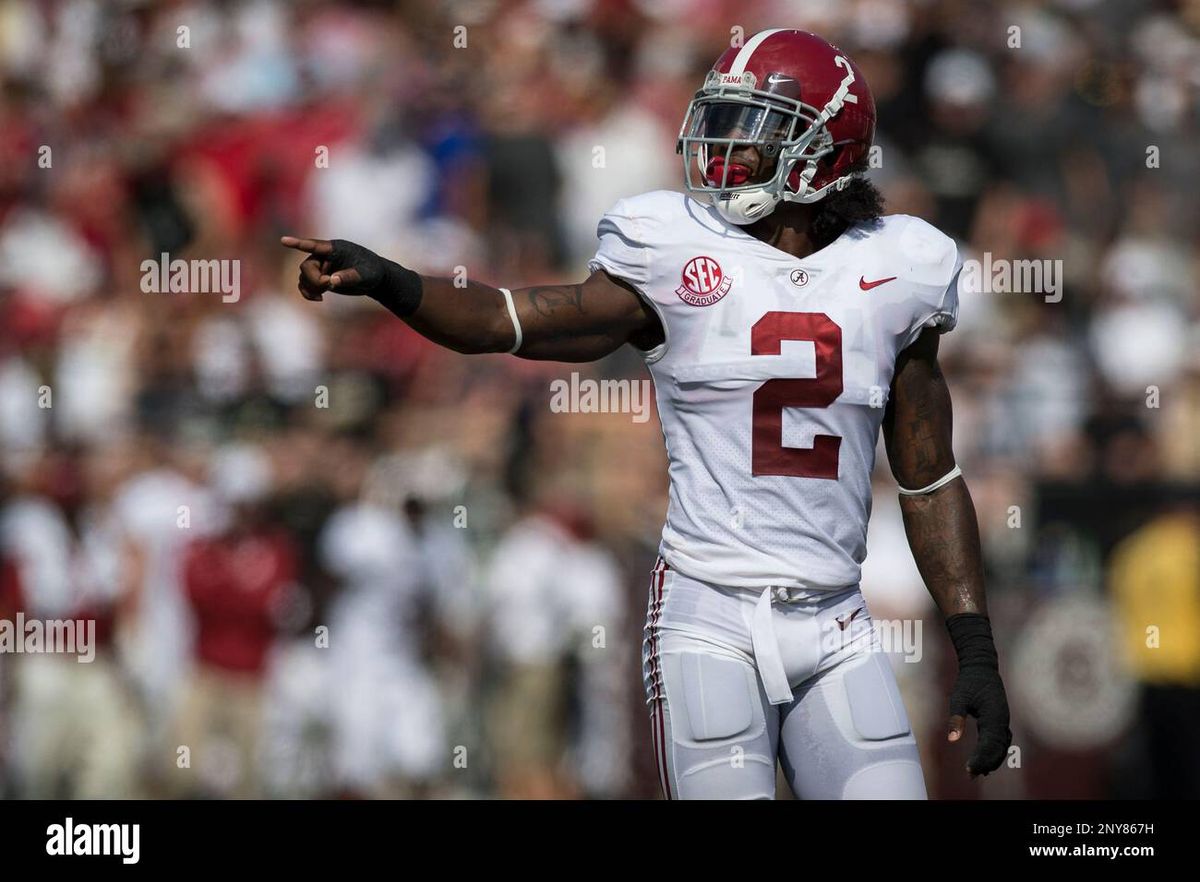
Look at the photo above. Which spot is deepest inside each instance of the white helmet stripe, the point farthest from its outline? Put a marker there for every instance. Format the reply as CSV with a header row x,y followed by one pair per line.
x,y
743,57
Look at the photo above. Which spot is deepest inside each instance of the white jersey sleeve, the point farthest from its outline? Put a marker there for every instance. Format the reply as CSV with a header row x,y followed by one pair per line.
x,y
632,237
623,253
933,267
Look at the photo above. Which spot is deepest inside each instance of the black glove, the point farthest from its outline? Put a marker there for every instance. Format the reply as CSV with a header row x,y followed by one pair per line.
x,y
978,692
360,270
347,268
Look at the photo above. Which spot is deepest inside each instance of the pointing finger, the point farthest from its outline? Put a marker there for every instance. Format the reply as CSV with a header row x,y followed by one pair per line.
x,y
312,246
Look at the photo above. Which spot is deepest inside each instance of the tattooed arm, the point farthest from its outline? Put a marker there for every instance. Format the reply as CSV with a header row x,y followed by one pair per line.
x,y
941,526
944,537
558,322
580,322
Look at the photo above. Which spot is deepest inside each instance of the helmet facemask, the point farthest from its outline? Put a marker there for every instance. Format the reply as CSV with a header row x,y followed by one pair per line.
x,y
724,116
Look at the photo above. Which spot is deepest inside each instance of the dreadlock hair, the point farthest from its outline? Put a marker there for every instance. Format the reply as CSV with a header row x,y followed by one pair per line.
x,y
860,201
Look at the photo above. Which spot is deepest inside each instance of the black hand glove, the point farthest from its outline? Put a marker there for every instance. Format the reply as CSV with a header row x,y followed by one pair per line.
x,y
358,270
978,692
348,268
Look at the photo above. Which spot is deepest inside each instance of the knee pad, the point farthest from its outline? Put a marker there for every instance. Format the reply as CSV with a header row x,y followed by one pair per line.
x,y
890,779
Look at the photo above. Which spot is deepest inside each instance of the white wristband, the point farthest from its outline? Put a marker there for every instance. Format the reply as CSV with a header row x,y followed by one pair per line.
x,y
512,314
940,482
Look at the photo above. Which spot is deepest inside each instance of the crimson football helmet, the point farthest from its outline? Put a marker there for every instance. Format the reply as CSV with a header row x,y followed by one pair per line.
x,y
798,99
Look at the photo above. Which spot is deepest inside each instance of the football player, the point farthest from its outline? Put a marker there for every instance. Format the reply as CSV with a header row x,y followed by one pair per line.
x,y
785,323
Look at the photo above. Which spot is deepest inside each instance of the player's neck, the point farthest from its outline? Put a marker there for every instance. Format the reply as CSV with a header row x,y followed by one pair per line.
x,y
788,228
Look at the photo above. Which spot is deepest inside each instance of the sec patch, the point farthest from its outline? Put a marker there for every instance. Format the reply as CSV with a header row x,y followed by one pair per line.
x,y
702,282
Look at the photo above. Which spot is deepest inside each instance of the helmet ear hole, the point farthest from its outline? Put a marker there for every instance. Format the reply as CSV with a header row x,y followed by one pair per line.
x,y
829,161
843,159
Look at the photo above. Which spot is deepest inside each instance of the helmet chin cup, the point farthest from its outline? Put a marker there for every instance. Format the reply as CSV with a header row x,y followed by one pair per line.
x,y
746,206
743,207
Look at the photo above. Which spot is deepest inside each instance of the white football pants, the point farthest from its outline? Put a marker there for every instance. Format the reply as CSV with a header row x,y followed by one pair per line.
x,y
736,678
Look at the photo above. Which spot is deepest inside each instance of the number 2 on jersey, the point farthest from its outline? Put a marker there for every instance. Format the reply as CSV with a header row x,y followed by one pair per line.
x,y
769,455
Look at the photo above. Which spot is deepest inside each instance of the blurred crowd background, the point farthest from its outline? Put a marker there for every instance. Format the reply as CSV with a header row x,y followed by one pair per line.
x,y
327,559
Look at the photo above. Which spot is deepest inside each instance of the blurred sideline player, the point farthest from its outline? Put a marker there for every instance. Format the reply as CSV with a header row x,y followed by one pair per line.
x,y
785,323
553,594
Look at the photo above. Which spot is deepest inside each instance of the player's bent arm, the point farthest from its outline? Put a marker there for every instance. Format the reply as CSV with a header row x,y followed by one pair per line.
x,y
939,520
583,322
579,322
941,526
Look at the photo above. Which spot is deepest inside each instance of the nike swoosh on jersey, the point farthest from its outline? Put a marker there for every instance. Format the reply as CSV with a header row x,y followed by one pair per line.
x,y
867,286
842,624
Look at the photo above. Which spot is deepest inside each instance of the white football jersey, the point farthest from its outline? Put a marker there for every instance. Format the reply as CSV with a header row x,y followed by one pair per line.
x,y
773,380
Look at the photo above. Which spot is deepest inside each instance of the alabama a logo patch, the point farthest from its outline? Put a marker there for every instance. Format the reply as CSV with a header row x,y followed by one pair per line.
x,y
703,282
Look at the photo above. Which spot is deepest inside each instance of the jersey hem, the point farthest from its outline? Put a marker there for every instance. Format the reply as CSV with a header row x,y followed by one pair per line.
x,y
700,574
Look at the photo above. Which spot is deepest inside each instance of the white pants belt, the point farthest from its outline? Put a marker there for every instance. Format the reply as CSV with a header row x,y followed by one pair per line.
x,y
766,652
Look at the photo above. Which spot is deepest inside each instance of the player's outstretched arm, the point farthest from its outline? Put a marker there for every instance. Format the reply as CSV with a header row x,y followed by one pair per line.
x,y
944,537
580,322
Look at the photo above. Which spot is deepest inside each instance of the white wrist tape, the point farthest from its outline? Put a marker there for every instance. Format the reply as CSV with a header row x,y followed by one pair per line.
x,y
940,482
512,314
